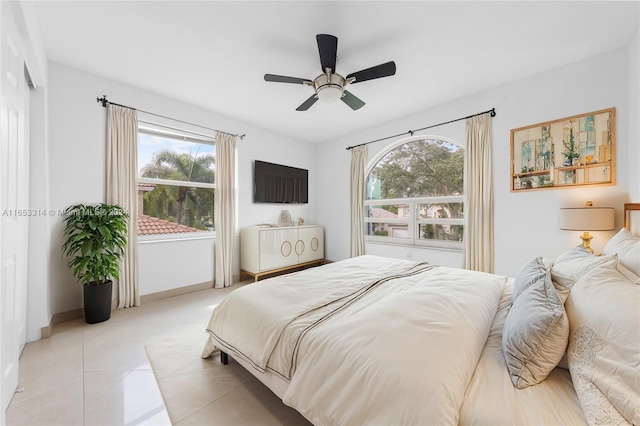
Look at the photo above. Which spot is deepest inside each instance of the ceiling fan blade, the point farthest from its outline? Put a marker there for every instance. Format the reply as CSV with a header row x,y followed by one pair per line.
x,y
379,71
307,104
328,48
284,79
353,101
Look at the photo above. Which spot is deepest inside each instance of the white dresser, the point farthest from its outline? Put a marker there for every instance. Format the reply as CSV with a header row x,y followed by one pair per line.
x,y
266,250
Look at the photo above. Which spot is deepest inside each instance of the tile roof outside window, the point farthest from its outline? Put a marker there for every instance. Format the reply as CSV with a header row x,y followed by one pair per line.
x,y
380,213
148,225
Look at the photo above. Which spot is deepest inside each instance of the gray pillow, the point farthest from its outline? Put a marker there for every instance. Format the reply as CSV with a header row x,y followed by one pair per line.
x,y
530,273
535,333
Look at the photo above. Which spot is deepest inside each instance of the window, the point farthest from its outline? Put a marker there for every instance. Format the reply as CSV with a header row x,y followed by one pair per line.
x,y
415,195
175,183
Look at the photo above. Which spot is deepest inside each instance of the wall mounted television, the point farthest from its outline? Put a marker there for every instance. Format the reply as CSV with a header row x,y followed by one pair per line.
x,y
275,183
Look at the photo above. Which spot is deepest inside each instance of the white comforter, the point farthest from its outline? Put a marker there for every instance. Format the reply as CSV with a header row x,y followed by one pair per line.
x,y
403,352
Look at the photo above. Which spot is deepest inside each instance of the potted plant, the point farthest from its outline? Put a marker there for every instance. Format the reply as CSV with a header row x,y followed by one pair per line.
x,y
95,237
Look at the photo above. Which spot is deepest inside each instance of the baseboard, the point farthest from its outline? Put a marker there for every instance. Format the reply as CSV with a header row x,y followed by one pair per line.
x,y
45,332
67,316
175,292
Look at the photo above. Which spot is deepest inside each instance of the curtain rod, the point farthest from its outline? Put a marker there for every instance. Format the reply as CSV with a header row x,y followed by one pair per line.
x,y
103,100
411,132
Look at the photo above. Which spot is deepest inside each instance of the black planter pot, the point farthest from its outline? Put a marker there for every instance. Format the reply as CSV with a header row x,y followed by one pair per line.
x,y
97,302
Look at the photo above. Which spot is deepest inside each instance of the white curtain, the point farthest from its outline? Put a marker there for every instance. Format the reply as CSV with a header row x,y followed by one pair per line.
x,y
122,172
224,209
478,228
358,166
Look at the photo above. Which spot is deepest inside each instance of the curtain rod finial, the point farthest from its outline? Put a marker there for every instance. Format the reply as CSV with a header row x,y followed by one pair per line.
x,y
493,112
103,100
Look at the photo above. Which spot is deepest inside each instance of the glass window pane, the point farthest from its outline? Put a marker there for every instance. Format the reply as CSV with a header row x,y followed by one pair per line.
x,y
441,211
430,231
169,209
394,230
388,211
422,168
161,157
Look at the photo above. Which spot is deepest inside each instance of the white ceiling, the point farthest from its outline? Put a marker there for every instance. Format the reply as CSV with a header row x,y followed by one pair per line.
x,y
214,54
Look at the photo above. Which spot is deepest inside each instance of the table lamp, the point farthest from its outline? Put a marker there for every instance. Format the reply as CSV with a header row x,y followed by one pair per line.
x,y
587,219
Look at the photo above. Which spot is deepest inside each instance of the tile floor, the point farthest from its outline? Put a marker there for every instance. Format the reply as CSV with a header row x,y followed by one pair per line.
x,y
99,374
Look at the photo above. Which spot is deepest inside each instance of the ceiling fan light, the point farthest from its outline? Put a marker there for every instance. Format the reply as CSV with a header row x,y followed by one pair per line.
x,y
329,93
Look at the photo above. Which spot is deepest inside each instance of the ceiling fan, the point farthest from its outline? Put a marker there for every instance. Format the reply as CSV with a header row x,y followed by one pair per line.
x,y
329,86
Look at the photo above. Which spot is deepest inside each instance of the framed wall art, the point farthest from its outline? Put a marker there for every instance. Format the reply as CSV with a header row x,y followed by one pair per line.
x,y
564,153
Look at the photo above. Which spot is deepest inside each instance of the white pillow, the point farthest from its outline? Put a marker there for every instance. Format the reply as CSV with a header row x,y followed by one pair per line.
x,y
535,333
571,265
604,345
627,247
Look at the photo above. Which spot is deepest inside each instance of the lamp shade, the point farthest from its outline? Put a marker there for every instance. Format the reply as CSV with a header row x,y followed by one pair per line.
x,y
587,219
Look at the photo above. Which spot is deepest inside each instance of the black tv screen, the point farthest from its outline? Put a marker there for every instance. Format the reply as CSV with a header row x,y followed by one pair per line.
x,y
275,183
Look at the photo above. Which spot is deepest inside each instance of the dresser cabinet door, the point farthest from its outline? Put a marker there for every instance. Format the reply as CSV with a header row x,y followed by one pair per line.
x,y
310,244
277,248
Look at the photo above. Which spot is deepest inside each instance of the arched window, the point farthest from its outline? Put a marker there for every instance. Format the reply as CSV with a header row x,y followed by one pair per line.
x,y
415,194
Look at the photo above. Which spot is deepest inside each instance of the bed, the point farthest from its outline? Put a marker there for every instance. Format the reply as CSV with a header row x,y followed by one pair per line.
x,y
404,342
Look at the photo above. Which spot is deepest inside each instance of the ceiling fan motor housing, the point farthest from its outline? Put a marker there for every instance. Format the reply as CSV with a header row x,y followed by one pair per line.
x,y
329,87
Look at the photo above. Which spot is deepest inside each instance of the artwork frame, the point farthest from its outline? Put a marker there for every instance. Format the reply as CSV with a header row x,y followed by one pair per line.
x,y
567,152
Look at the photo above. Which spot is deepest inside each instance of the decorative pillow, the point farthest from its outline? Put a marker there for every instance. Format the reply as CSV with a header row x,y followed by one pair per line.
x,y
530,273
570,266
627,247
604,348
535,333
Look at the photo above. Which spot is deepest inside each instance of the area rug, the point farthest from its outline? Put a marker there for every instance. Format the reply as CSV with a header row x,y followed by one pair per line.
x,y
197,391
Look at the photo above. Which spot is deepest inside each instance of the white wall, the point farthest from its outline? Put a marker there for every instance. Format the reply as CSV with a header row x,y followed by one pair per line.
x,y
77,174
526,223
190,262
634,118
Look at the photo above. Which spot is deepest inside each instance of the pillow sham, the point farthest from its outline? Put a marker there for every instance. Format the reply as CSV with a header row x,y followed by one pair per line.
x,y
570,266
603,352
535,333
529,274
629,275
627,247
